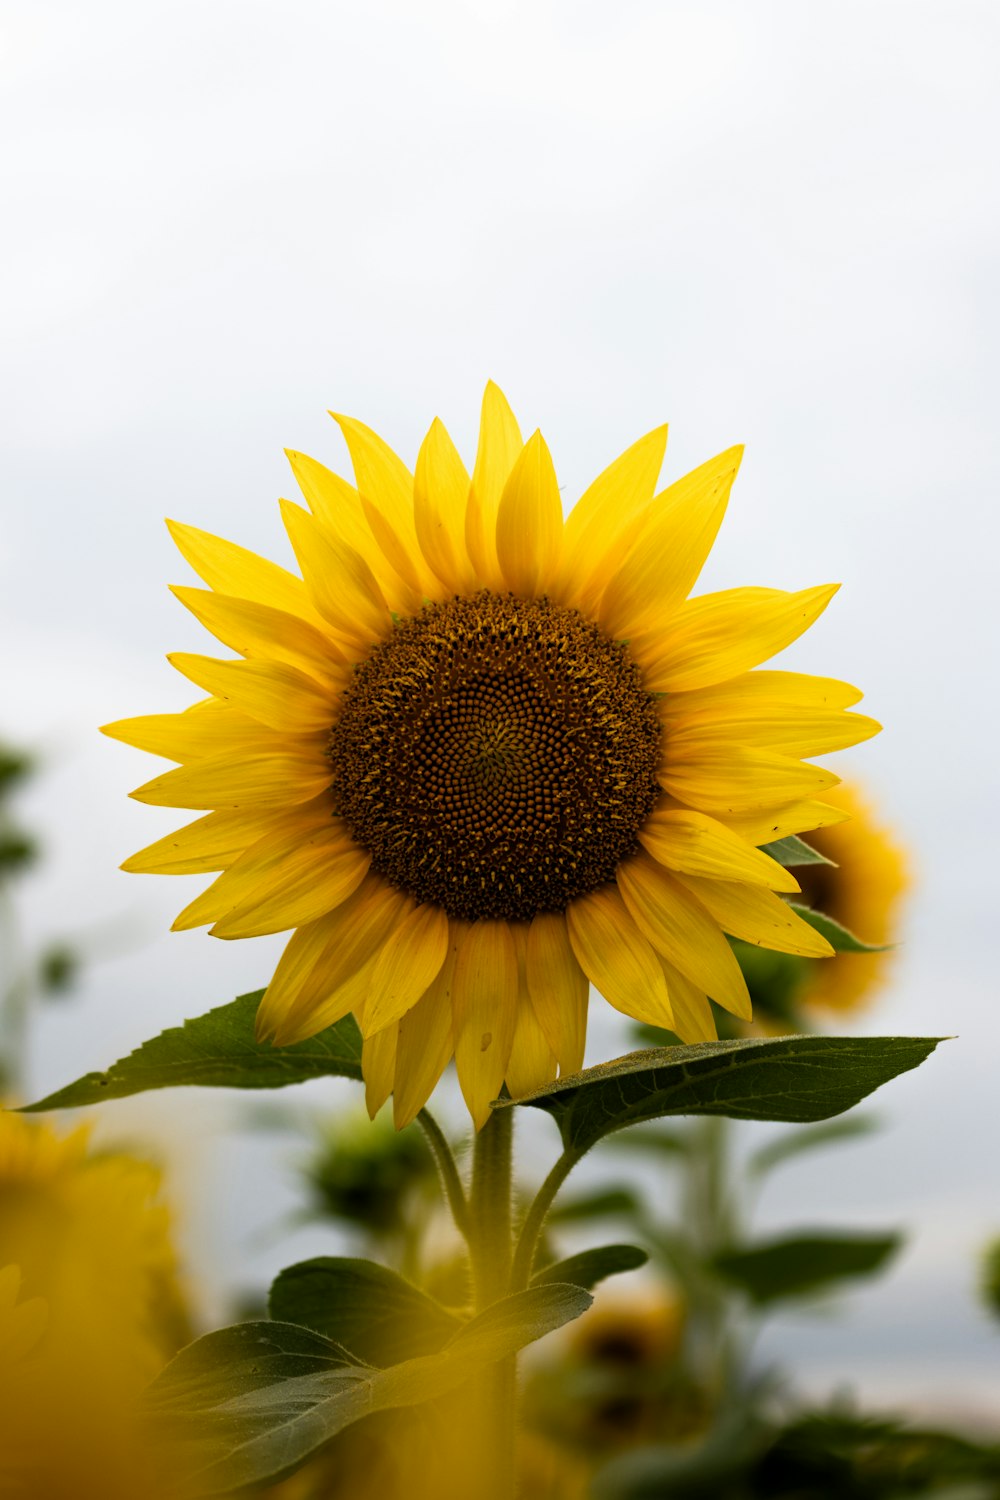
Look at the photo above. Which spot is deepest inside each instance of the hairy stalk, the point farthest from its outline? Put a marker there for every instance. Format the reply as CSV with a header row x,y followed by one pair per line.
x,y
448,1171
494,1431
531,1230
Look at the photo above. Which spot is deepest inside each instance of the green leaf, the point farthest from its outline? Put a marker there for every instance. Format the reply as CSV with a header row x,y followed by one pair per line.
x,y
792,850
602,1203
248,1404
989,1280
797,1142
841,940
515,1321
368,1309
592,1266
798,1265
798,1079
218,1050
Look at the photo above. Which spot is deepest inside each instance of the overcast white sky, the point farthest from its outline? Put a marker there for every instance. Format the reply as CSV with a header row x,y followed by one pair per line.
x,y
773,223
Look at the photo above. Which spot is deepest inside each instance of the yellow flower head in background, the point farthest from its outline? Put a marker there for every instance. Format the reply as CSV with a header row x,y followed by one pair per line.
x,y
22,1324
863,889
88,1317
479,757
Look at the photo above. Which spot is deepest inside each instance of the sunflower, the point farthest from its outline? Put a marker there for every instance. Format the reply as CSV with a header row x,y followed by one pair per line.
x,y
91,1235
480,757
90,1310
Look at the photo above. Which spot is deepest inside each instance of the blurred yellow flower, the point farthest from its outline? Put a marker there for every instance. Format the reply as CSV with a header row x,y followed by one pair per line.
x,y
619,1381
479,757
632,1332
22,1323
97,1283
864,891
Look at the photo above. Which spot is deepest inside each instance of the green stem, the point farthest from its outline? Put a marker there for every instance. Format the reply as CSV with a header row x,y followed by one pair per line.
x,y
450,1180
531,1230
495,1424
709,1212
489,1207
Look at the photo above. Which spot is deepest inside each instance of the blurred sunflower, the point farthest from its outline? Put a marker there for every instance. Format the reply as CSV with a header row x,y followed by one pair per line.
x,y
619,1380
99,1304
478,758
22,1324
863,889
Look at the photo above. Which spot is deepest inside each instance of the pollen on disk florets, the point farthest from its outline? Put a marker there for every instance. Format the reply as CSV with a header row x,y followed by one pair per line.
x,y
496,756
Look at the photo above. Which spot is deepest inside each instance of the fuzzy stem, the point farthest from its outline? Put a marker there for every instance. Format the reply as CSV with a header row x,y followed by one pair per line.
x,y
531,1230
450,1180
490,1249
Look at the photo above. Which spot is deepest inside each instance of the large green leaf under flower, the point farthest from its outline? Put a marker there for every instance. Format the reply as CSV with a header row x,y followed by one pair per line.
x,y
796,1079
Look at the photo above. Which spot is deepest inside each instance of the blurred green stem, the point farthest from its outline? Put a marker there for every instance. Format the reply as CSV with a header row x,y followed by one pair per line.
x,y
490,1249
710,1215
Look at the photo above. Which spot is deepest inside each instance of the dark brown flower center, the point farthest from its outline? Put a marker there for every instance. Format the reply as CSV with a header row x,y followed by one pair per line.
x,y
496,756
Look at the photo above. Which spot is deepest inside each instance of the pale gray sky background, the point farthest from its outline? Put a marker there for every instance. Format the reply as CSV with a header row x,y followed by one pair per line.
x,y
773,222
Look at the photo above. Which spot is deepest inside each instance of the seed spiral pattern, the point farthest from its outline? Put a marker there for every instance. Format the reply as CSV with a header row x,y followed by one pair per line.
x,y
496,756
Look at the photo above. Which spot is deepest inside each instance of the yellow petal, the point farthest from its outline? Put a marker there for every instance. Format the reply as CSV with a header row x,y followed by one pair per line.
x,y
409,963
668,554
700,845
205,909
558,988
440,496
607,518
485,1004
234,571
792,731
337,506
531,1063
257,630
682,931
757,916
778,823
279,696
341,584
378,1063
499,445
288,878
333,1007
323,956
717,636
385,486
426,1042
738,780
285,778
211,843
529,522
243,876
767,687
693,1018
191,736
617,958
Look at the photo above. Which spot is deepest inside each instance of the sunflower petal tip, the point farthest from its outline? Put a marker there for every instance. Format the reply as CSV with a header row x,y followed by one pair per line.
x,y
265,1030
493,392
